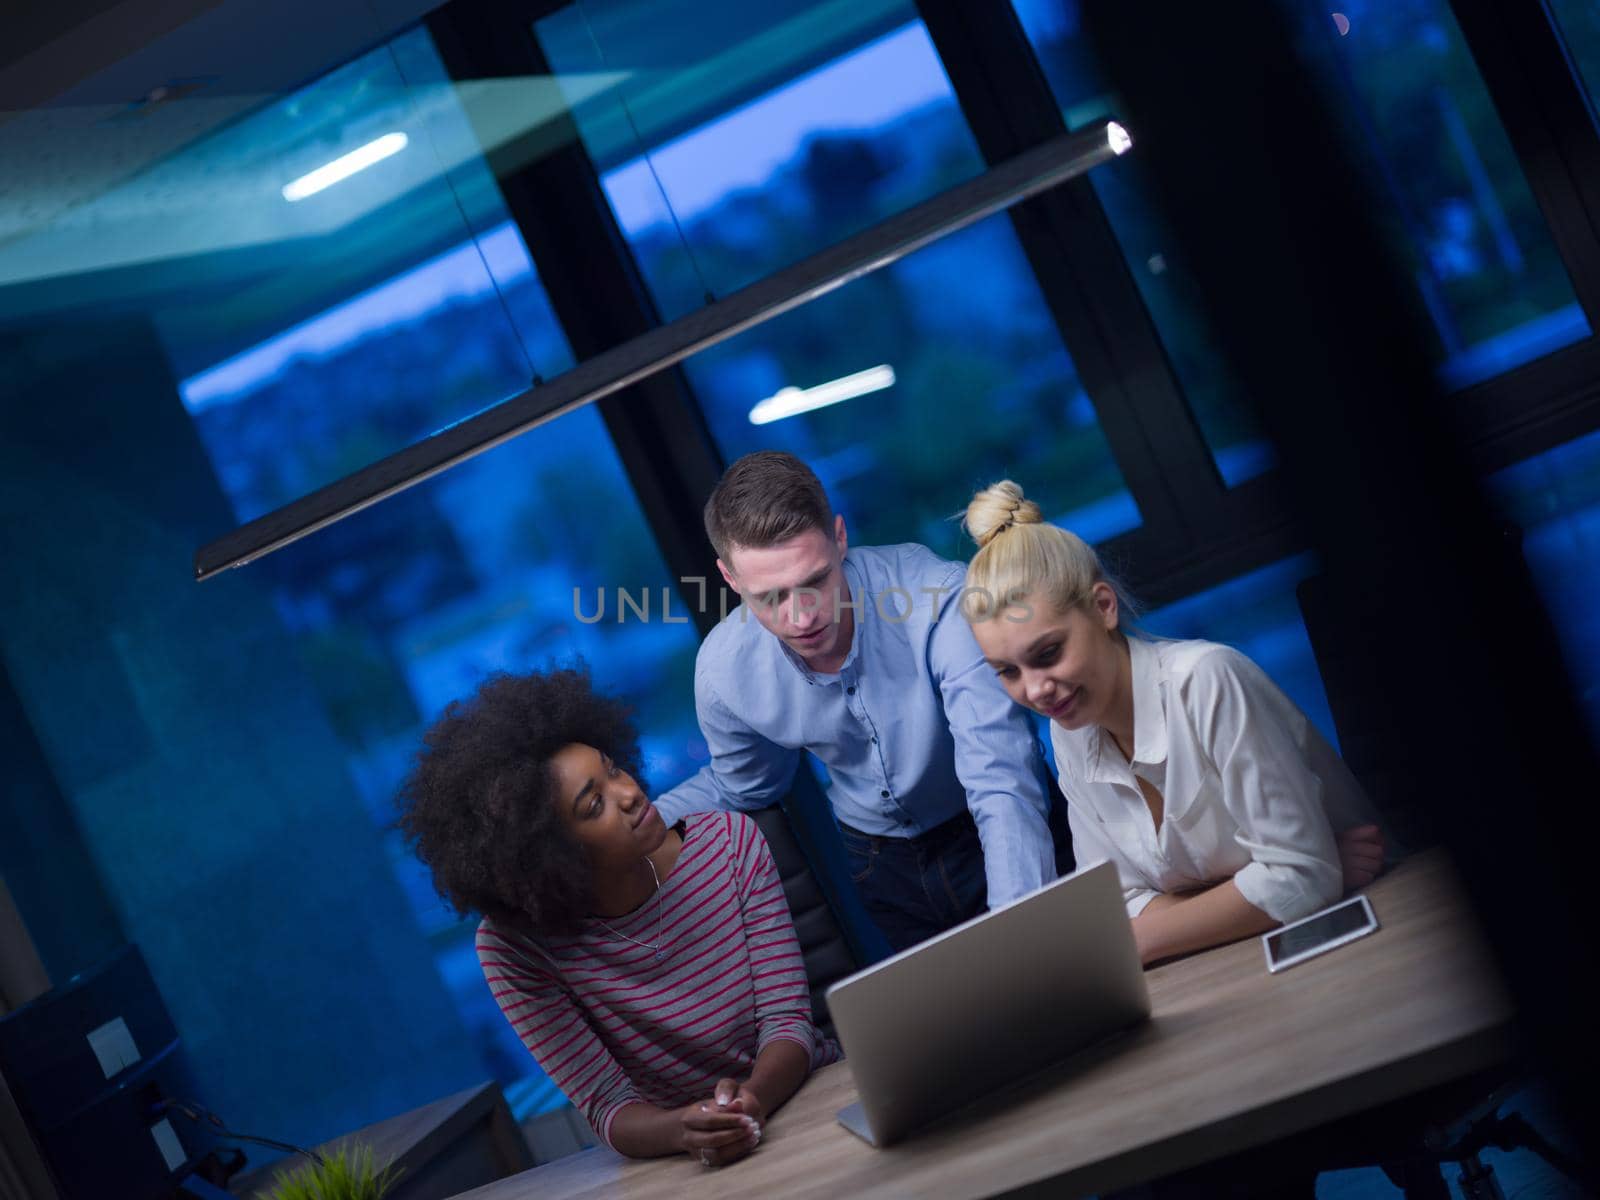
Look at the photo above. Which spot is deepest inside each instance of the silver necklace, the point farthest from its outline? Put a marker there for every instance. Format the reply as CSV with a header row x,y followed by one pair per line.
x,y
660,917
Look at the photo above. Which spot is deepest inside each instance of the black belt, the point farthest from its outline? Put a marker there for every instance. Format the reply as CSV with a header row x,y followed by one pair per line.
x,y
928,839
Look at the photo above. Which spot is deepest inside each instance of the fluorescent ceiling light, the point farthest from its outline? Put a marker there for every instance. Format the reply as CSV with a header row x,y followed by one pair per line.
x,y
345,166
791,401
1118,138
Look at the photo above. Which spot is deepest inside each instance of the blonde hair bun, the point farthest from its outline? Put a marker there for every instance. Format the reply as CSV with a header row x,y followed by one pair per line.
x,y
996,509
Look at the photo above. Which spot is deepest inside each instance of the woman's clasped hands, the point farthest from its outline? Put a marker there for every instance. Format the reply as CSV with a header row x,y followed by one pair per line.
x,y
724,1128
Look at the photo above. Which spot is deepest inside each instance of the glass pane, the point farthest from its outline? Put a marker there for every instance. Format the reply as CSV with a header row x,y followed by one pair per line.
x,y
1457,204
846,117
499,564
258,347
1228,424
1579,23
742,138
292,301
927,379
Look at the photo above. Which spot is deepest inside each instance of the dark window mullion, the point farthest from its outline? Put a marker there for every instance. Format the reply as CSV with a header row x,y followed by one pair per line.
x,y
596,292
1256,531
1532,408
1069,244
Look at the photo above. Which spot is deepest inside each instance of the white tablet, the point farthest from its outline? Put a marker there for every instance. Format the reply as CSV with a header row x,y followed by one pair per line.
x,y
1311,936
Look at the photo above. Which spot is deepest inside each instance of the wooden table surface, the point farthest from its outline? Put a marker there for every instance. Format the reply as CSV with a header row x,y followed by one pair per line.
x,y
1232,1057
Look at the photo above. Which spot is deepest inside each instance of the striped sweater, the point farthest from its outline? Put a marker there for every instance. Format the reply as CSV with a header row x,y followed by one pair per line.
x,y
614,1024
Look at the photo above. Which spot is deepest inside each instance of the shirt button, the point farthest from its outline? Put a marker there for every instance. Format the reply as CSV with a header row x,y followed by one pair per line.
x,y
851,690
884,793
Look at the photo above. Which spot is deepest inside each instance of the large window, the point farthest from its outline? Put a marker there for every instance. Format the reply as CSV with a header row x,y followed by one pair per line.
x,y
1148,247
962,380
309,267
514,561
905,389
792,126
315,320
1452,195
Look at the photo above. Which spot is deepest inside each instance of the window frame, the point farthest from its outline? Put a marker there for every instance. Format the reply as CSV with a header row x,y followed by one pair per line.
x,y
1196,531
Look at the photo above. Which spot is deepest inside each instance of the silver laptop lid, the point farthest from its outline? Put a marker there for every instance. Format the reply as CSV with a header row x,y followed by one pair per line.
x,y
989,1002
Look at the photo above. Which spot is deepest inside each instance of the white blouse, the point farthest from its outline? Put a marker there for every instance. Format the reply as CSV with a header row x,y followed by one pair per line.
x,y
1252,790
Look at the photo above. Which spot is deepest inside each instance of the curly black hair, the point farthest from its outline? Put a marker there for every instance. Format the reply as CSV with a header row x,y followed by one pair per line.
x,y
478,805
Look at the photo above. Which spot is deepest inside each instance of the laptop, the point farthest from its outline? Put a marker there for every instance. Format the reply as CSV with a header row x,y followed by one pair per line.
x,y
986,1004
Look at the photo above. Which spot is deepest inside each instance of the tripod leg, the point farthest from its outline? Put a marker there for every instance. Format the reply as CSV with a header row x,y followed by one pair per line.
x,y
1515,1133
1477,1180
1417,1177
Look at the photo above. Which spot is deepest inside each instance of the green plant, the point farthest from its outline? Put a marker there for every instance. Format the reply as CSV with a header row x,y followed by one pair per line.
x,y
349,1173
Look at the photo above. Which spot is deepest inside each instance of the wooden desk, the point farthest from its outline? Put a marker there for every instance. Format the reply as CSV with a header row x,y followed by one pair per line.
x,y
1232,1057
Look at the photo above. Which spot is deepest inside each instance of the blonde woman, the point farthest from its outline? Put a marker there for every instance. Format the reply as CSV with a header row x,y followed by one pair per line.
x,y
1224,810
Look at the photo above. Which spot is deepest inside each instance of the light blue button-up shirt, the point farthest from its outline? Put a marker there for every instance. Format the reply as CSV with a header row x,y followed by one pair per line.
x,y
914,727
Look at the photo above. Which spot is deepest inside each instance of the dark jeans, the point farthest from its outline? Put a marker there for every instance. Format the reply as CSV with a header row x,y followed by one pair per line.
x,y
916,887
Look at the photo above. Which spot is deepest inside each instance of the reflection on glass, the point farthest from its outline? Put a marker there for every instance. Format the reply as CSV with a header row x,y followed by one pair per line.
x,y
1229,426
326,313
792,126
938,374
360,379
1458,206
309,336
508,562
905,389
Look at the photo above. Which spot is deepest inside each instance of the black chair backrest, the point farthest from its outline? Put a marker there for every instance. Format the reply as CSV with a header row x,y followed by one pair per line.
x,y
1394,776
822,942
1351,674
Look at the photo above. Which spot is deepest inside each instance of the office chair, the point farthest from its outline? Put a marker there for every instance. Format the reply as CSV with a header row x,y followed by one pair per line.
x,y
827,954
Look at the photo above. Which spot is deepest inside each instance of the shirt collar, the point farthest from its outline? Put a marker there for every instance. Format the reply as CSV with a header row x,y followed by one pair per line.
x,y
857,587
1149,713
1102,760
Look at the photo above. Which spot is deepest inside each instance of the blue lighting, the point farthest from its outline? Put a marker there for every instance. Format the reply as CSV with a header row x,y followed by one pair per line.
x,y
866,90
456,275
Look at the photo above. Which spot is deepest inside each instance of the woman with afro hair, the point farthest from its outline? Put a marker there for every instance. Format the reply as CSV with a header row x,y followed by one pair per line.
x,y
654,973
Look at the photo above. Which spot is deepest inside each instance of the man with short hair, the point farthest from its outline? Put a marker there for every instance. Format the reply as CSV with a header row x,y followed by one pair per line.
x,y
861,657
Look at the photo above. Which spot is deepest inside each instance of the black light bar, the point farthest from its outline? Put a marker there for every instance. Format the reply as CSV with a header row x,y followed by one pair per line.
x,y
1056,161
